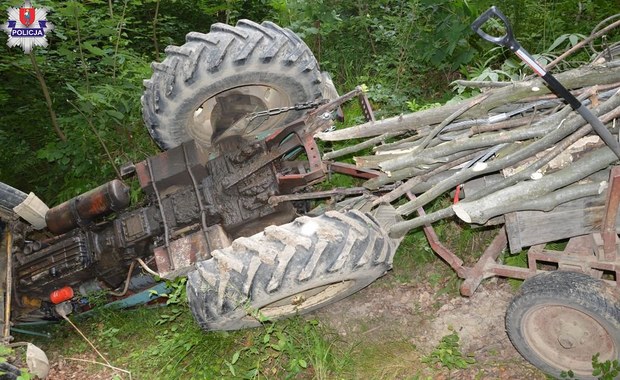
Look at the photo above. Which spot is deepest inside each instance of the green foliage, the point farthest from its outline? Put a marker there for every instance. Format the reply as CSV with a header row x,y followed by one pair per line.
x,y
517,260
176,298
283,350
567,374
97,298
607,370
8,354
178,291
393,46
448,354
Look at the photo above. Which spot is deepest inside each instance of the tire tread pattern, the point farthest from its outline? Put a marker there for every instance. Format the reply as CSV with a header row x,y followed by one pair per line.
x,y
176,83
9,198
572,289
283,260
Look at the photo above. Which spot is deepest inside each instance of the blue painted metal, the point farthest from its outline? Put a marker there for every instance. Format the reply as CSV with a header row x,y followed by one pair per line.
x,y
28,332
143,297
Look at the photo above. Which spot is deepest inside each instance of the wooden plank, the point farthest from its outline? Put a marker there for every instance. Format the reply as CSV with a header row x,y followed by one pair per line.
x,y
513,232
579,217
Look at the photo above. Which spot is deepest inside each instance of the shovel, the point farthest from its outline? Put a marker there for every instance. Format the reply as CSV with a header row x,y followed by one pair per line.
x,y
511,43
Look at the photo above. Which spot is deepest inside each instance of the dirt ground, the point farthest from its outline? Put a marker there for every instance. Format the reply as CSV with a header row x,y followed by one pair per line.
x,y
416,315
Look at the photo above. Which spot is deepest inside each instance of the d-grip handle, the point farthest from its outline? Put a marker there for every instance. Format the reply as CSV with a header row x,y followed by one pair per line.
x,y
506,40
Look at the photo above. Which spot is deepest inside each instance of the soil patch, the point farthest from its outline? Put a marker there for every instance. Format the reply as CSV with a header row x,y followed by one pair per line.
x,y
420,315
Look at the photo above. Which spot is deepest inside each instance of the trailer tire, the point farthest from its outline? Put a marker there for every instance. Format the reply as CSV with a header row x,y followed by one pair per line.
x,y
559,320
290,269
209,84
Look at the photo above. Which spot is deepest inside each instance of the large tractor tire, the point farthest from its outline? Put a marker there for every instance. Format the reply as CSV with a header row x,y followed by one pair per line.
x,y
560,320
204,89
290,269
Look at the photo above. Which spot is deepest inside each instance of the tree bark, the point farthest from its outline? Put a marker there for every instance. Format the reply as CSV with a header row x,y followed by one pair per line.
x,y
482,210
580,77
550,139
357,147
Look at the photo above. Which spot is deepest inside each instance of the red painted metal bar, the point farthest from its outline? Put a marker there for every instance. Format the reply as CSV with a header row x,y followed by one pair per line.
x,y
349,169
481,269
448,256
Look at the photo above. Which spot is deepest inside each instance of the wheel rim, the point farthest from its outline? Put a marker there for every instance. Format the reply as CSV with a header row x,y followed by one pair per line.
x,y
303,301
223,115
567,338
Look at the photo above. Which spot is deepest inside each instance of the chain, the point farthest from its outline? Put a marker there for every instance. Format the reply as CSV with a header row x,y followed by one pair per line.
x,y
279,110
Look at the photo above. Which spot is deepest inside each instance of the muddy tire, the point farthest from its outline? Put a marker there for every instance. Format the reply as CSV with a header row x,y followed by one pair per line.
x,y
208,85
290,269
9,198
559,320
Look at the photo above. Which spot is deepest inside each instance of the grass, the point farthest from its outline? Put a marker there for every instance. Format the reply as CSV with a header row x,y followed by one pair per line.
x,y
135,340
381,360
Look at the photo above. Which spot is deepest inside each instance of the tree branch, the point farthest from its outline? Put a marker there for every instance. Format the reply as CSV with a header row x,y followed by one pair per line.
x,y
48,99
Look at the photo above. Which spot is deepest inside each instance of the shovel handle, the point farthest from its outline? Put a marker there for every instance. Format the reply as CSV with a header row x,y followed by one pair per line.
x,y
510,42
506,40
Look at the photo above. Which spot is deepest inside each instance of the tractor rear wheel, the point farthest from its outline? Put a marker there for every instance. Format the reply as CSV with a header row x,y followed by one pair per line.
x,y
205,88
290,269
560,320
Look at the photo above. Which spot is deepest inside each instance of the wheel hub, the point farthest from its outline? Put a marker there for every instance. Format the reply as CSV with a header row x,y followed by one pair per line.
x,y
567,337
224,115
299,302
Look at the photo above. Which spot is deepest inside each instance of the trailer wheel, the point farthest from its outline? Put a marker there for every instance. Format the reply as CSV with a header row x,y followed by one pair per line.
x,y
290,269
560,320
204,89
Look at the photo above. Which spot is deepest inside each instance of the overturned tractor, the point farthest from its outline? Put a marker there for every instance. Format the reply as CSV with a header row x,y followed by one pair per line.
x,y
227,204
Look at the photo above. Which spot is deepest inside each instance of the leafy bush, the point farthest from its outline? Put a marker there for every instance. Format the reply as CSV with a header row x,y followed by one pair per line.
x,y
448,354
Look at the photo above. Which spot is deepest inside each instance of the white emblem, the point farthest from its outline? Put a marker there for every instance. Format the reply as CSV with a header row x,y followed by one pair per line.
x,y
27,27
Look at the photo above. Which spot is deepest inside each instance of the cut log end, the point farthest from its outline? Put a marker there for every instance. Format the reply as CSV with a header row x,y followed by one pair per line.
x,y
479,166
459,210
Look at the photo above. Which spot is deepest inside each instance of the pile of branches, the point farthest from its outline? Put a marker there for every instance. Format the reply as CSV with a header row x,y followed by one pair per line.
x,y
525,147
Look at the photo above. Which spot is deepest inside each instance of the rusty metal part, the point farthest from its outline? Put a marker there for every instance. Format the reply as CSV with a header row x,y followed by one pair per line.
x,y
149,164
481,269
83,209
566,336
299,133
366,107
349,169
170,169
275,199
203,211
316,171
184,252
486,266
448,256
589,254
266,158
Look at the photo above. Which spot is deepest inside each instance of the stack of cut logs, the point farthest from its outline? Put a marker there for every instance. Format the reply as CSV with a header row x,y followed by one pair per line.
x,y
514,147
